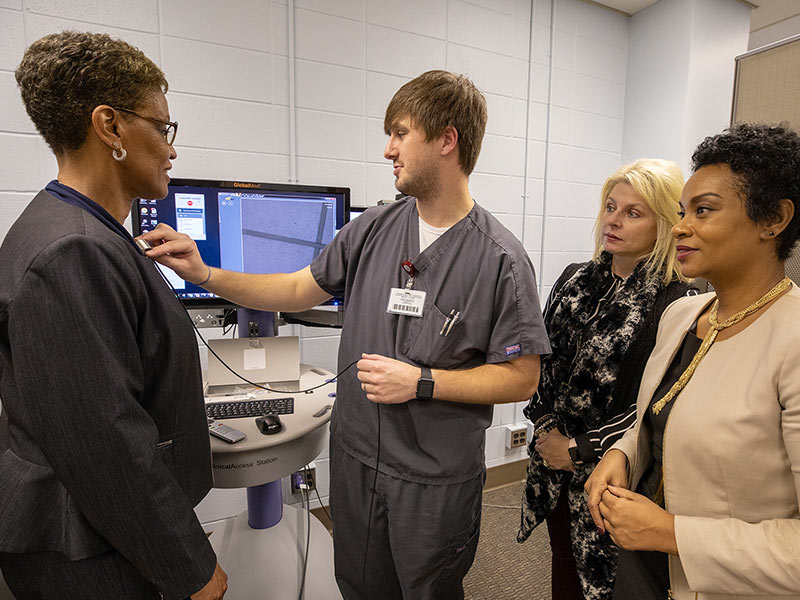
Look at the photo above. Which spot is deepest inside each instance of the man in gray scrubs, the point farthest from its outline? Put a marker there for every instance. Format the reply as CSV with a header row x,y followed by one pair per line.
x,y
442,315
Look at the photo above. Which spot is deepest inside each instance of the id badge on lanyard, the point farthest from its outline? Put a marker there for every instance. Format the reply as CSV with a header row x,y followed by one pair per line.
x,y
406,301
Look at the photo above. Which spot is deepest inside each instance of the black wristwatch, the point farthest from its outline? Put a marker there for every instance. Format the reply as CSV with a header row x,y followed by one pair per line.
x,y
574,453
425,385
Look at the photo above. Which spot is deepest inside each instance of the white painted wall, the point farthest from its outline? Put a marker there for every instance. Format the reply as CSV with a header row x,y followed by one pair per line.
x,y
680,75
775,32
720,31
657,82
569,160
555,125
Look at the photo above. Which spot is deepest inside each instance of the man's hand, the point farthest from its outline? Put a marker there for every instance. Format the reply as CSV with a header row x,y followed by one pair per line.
x,y
177,251
634,522
386,380
612,470
215,588
553,447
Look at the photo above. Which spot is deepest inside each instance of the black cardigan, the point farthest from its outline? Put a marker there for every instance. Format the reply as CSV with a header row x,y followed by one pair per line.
x,y
626,387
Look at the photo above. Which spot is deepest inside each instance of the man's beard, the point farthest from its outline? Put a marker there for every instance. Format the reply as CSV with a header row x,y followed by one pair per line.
x,y
422,184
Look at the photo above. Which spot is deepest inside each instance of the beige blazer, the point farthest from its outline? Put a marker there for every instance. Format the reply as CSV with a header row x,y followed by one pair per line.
x,y
731,455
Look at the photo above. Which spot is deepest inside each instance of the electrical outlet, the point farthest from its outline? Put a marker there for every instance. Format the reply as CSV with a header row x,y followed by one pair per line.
x,y
253,328
516,435
308,476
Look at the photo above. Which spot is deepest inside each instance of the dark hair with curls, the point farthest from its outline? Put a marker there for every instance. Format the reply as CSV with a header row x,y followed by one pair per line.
x,y
64,76
437,99
766,162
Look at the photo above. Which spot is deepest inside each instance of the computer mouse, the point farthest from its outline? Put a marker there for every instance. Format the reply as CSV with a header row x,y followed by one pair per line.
x,y
269,424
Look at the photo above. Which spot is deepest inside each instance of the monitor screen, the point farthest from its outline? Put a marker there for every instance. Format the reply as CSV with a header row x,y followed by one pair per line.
x,y
356,211
245,226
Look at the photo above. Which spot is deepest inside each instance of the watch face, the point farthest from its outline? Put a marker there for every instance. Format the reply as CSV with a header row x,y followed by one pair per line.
x,y
425,388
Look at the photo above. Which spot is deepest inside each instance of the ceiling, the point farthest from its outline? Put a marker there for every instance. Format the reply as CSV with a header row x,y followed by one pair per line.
x,y
765,13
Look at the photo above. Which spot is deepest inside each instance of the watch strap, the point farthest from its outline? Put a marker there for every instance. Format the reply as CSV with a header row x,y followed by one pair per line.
x,y
586,451
574,453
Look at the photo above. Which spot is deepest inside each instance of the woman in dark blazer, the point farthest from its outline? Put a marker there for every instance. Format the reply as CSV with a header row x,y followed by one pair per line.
x,y
107,449
602,318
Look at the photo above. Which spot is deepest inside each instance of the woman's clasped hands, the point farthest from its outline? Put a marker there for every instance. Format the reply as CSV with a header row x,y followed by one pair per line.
x,y
633,521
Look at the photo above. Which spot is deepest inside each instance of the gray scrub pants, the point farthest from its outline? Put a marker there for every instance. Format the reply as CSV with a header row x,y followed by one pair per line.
x,y
422,537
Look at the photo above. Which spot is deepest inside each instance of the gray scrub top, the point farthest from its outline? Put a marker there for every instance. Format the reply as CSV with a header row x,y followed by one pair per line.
x,y
478,268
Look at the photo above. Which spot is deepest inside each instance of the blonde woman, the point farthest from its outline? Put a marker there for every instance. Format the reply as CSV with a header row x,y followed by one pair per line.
x,y
602,318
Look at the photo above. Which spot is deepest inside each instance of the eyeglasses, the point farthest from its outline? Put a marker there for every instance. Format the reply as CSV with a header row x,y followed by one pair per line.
x,y
170,127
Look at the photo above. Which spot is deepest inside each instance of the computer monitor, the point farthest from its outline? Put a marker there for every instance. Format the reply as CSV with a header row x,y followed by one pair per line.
x,y
245,226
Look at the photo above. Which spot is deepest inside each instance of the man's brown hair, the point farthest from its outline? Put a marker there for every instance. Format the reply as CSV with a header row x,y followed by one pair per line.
x,y
437,99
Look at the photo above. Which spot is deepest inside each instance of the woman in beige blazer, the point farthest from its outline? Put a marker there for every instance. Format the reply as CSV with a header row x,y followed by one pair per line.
x,y
702,494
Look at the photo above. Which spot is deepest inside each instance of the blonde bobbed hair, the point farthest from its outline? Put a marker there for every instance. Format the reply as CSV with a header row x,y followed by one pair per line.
x,y
659,183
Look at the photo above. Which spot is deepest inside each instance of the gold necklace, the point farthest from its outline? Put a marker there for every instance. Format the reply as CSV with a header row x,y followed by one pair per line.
x,y
715,328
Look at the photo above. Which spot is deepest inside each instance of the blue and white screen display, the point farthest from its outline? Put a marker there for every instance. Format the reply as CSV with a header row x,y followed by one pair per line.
x,y
273,228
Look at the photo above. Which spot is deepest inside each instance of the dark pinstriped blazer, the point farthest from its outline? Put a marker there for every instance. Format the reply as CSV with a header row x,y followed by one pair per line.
x,y
107,444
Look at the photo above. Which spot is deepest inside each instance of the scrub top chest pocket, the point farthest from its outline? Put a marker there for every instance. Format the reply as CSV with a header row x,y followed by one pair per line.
x,y
434,338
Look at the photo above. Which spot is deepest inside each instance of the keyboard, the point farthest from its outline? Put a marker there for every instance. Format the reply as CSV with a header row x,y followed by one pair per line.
x,y
250,408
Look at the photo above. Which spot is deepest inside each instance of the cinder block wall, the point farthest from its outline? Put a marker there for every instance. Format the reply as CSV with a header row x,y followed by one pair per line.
x,y
553,74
